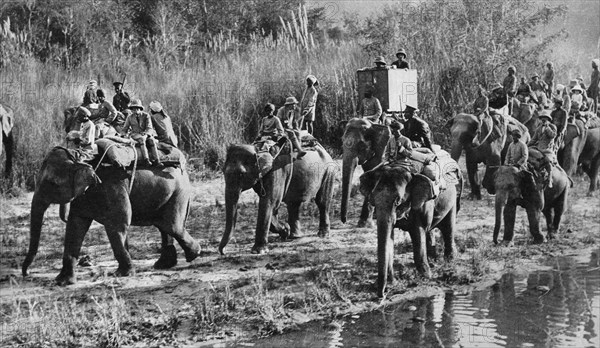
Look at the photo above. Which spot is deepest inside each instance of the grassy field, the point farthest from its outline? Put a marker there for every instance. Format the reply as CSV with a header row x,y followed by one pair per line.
x,y
240,295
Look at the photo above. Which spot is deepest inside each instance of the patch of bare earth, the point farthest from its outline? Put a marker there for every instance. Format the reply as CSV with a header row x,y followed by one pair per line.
x,y
240,295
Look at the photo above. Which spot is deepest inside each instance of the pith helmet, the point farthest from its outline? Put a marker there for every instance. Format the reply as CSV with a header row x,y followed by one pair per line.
x,y
136,103
512,67
577,88
535,75
401,51
380,59
546,114
291,100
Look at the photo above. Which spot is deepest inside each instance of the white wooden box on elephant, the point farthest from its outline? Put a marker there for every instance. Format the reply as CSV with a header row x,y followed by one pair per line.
x,y
395,88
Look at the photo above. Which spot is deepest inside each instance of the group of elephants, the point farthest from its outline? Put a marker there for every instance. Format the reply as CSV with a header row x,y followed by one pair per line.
x,y
161,196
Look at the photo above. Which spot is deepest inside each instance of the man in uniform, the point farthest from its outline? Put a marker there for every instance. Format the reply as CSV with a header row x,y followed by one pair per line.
x,y
524,90
399,147
559,119
415,128
549,80
121,99
517,153
544,140
289,115
142,132
401,63
107,114
308,103
509,84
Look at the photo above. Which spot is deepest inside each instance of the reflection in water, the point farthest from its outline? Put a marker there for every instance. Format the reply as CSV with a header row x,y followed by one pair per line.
x,y
554,308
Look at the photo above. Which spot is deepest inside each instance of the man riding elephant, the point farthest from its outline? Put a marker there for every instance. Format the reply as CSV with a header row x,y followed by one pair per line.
x,y
559,119
543,140
370,107
415,128
142,132
509,84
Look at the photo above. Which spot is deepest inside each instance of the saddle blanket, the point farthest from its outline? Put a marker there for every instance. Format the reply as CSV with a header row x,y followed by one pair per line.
x,y
120,152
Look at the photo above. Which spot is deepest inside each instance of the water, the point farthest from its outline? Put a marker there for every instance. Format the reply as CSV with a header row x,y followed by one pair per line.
x,y
551,308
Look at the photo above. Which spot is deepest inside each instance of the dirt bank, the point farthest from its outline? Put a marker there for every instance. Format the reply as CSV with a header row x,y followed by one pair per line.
x,y
239,294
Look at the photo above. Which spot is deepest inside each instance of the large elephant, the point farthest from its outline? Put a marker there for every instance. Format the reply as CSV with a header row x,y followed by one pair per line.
x,y
364,144
7,140
527,114
527,189
491,149
393,187
291,180
582,146
158,197
572,146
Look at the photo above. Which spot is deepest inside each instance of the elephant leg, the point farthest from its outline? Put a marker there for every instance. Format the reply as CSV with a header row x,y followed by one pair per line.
x,y
294,220
77,228
417,235
366,215
446,227
559,207
323,200
117,234
172,226
548,215
510,211
168,253
472,173
533,216
593,174
278,227
263,223
431,246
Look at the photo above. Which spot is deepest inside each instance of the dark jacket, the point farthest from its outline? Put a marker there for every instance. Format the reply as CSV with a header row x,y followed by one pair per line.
x,y
416,129
401,65
121,101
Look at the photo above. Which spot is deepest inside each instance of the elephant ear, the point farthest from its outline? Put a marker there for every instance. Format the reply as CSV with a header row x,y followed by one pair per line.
x,y
530,190
369,180
420,190
378,135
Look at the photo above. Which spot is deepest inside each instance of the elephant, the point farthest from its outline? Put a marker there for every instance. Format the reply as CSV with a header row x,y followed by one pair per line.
x,y
364,143
527,189
572,145
292,180
394,189
491,149
527,114
7,139
157,196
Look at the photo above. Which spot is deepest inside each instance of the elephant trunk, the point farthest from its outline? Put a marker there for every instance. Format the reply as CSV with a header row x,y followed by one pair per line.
x,y
63,211
386,218
350,162
38,208
456,149
232,196
501,200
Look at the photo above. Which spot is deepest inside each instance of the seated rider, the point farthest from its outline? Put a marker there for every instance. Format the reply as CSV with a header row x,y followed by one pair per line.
x,y
370,107
399,147
290,116
517,153
162,124
270,126
107,114
559,119
543,140
85,138
142,132
416,129
90,97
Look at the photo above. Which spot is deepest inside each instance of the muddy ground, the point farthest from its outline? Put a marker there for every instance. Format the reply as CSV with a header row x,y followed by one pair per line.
x,y
239,295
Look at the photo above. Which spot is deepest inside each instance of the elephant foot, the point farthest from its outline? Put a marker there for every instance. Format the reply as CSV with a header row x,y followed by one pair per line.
x,y
323,233
124,271
259,250
296,235
65,278
538,239
508,243
192,253
284,234
167,259
425,271
365,223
